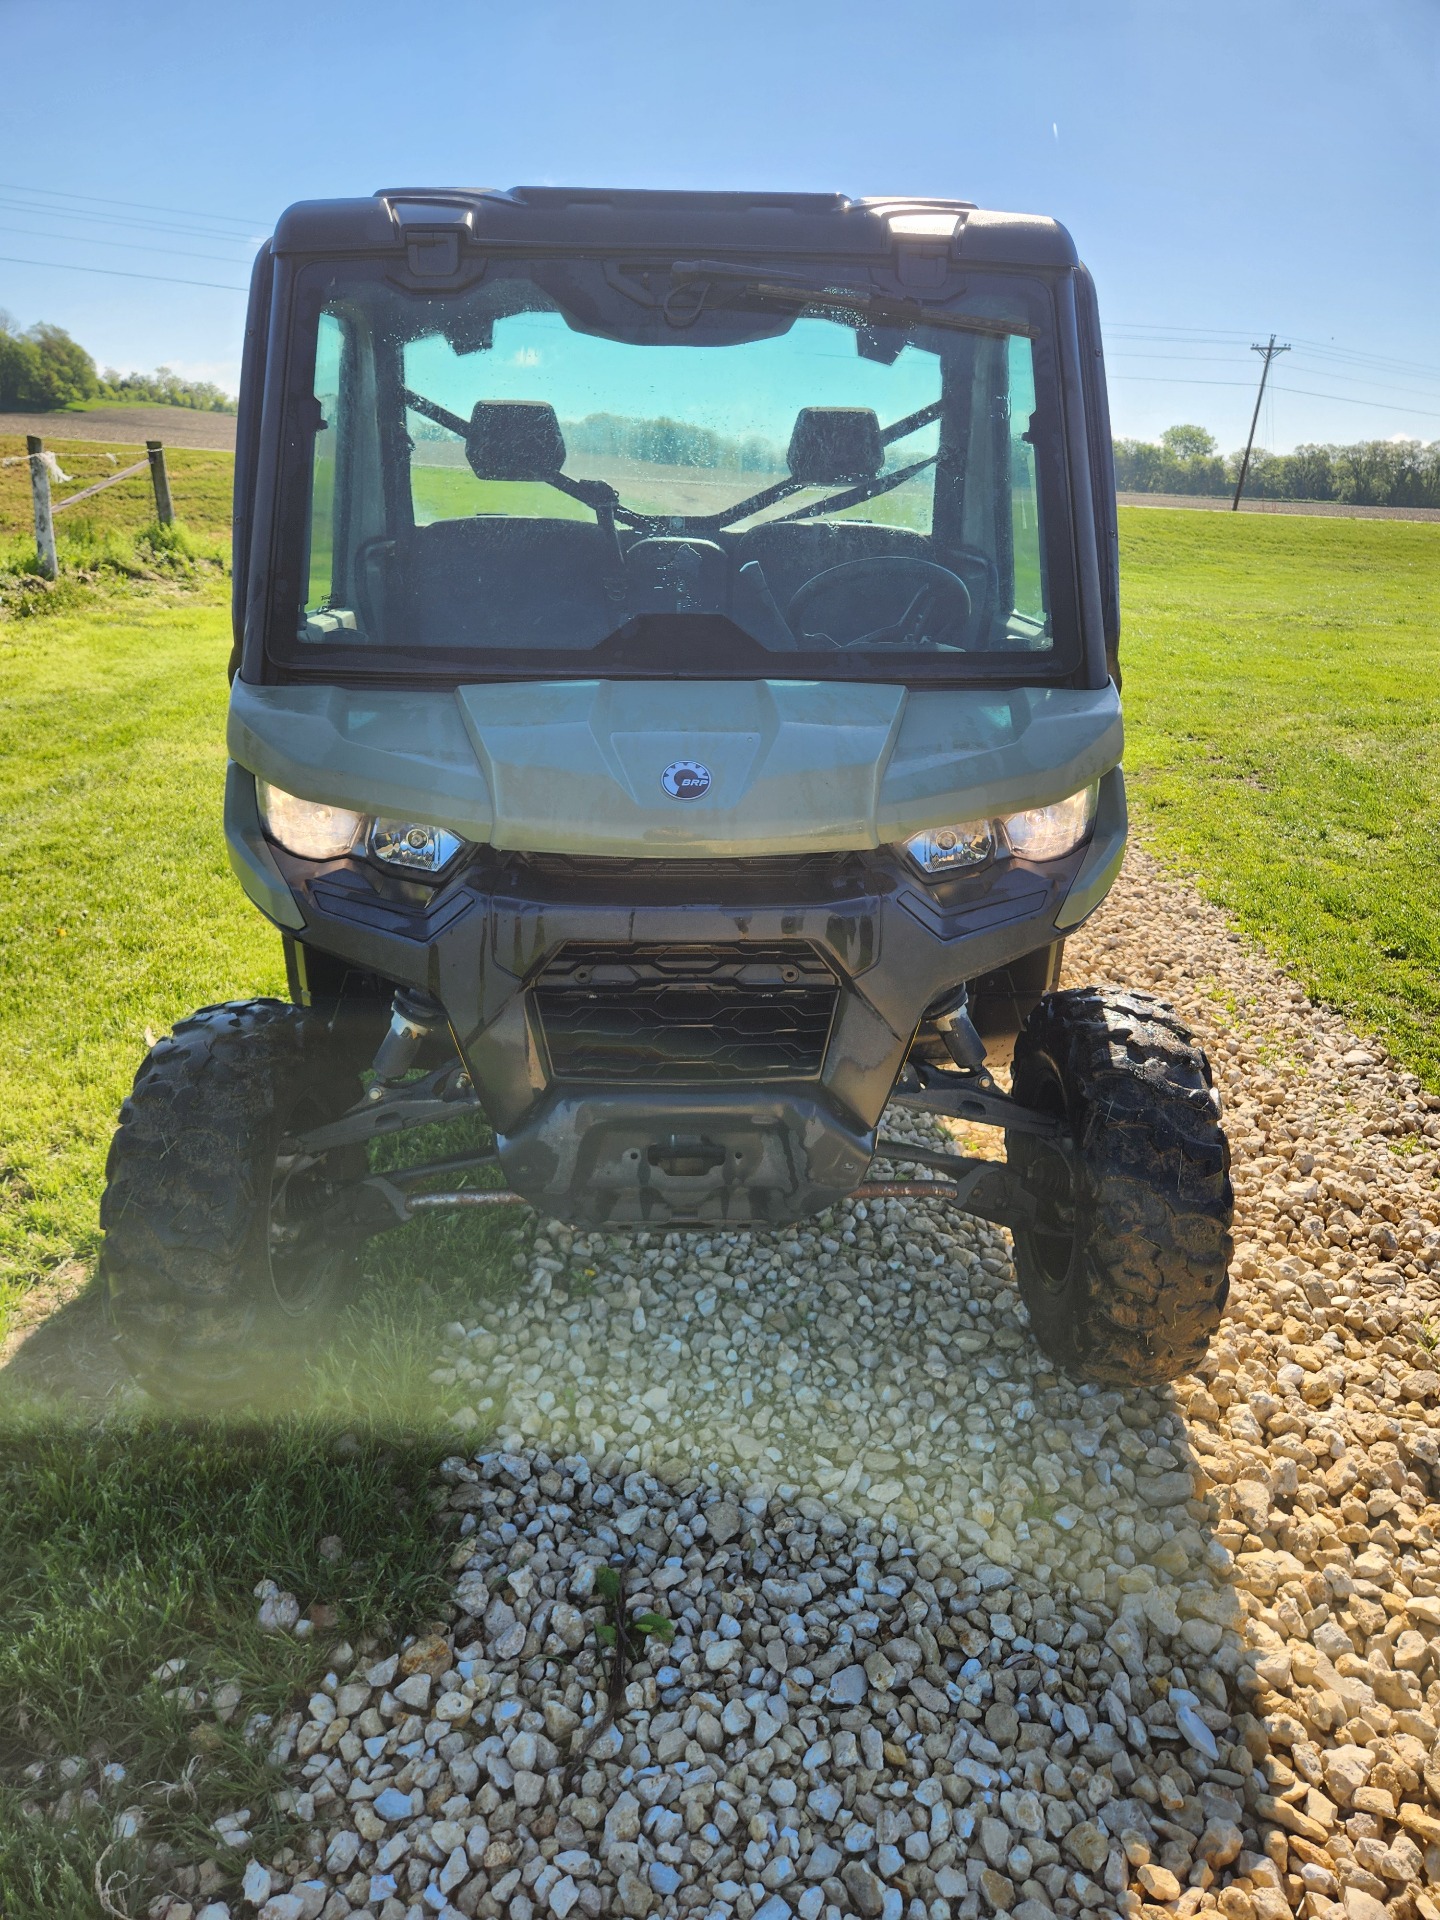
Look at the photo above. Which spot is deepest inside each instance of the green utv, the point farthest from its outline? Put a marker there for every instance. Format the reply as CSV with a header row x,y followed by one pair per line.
x,y
674,718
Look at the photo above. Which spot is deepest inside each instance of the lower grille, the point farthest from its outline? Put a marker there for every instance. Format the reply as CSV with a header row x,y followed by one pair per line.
x,y
697,1014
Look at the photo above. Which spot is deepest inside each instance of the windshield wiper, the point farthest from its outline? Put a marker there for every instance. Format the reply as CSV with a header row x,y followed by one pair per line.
x,y
605,503
764,284
853,496
601,498
783,489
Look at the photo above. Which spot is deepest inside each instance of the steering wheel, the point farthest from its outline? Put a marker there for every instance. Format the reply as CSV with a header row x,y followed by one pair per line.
x,y
890,600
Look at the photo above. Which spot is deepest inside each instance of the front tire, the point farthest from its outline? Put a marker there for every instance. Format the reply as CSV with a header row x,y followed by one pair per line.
x,y
1125,1273
212,1277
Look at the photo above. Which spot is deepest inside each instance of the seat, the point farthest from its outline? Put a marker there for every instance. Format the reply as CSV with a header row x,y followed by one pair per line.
x,y
514,440
835,446
503,581
508,580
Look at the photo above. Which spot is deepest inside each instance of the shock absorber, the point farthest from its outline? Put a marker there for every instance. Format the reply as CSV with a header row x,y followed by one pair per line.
x,y
415,1015
958,1031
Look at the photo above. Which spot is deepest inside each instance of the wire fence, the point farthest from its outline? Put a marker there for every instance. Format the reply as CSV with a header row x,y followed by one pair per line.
x,y
46,507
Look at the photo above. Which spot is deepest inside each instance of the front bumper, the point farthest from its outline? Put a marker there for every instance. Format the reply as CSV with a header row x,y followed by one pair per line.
x,y
767,1108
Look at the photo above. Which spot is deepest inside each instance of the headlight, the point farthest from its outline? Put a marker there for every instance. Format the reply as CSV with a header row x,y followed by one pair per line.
x,y
409,843
944,849
1040,833
1045,833
309,828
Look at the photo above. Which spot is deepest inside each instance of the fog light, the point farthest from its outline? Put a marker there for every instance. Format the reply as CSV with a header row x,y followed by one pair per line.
x,y
410,843
943,849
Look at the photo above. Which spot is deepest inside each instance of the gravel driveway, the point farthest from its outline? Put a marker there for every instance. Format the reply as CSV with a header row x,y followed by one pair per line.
x,y
952,1635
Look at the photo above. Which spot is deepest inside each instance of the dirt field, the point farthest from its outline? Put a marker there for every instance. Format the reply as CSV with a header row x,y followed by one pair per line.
x,y
130,426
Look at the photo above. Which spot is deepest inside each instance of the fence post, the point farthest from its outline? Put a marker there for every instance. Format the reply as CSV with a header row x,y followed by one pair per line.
x,y
44,523
164,512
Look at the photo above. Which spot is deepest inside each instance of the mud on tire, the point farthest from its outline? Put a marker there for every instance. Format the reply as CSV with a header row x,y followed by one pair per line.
x,y
1127,1274
209,1276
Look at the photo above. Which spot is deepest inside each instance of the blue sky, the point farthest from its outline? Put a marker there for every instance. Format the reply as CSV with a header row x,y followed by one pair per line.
x,y
1226,168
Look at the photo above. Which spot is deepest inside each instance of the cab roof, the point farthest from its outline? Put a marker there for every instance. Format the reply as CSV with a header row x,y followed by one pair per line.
x,y
821,225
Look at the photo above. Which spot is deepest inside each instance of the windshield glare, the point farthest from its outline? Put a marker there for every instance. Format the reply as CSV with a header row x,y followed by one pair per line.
x,y
591,468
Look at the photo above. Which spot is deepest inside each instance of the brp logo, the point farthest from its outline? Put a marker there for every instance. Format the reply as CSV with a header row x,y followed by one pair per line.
x,y
685,779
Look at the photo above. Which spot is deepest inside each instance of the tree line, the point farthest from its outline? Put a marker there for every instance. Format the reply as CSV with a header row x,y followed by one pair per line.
x,y
1370,473
42,368
669,443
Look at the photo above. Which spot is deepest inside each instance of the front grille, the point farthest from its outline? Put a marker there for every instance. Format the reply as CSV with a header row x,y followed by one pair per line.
x,y
790,878
697,1014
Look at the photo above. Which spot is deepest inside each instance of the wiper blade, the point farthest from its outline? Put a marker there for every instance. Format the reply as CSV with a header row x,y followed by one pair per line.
x,y
783,489
606,505
598,495
867,490
872,302
764,284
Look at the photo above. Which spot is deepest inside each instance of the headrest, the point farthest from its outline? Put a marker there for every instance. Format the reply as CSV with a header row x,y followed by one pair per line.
x,y
514,440
834,445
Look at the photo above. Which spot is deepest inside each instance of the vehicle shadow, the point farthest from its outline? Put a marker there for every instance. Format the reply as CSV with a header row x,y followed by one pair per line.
x,y
868,1383
870,1378
61,1352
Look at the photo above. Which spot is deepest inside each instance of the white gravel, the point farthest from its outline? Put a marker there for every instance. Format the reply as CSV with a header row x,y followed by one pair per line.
x,y
953,1635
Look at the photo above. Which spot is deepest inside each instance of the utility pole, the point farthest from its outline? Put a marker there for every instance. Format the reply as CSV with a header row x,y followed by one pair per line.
x,y
1268,353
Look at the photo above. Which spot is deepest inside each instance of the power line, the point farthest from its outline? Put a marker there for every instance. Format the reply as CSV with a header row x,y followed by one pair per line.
x,y
1162,335
134,246
1163,380
1412,367
1308,393
1185,359
140,206
119,273
1226,360
113,220
1346,399
1356,400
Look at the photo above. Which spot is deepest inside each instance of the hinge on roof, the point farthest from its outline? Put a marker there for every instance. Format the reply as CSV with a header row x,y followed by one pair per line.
x,y
434,234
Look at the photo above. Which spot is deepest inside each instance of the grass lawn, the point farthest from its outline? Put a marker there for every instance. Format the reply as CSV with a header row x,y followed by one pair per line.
x,y
200,488
139,1543
1282,707
118,911
1284,744
135,1540
1281,700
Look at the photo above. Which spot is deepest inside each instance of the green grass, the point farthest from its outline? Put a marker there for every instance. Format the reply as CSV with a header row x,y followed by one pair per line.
x,y
140,1539
1281,700
1283,722
118,910
131,1539
453,493
141,1543
201,484
110,544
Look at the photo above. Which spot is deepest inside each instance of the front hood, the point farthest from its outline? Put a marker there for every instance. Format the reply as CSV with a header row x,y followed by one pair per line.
x,y
579,766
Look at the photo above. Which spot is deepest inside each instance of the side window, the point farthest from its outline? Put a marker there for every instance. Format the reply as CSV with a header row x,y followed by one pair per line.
x,y
329,346
1024,490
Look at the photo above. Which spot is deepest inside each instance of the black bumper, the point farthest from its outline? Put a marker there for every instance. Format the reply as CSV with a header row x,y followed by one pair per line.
x,y
679,1041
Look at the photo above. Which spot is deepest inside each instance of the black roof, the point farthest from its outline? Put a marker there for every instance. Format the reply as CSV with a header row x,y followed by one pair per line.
x,y
820,224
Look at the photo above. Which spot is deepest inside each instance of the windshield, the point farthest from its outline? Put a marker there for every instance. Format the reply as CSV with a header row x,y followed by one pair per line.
x,y
591,467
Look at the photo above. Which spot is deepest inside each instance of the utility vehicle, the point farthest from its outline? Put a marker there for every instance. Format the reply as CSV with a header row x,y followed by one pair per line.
x,y
674,718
